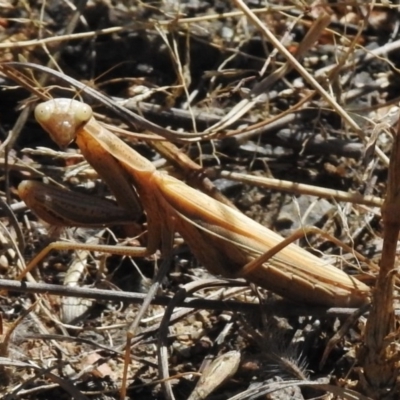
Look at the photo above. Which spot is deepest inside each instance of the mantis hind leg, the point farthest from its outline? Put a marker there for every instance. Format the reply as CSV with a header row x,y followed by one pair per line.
x,y
298,234
315,281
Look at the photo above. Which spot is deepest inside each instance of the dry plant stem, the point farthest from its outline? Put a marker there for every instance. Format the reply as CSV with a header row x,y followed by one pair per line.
x,y
6,339
378,53
136,25
278,307
293,187
381,358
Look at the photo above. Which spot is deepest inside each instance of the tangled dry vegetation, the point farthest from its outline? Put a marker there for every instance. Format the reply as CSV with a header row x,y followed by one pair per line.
x,y
285,110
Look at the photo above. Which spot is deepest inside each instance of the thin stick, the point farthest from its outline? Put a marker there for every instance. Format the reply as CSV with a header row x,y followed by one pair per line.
x,y
278,307
293,187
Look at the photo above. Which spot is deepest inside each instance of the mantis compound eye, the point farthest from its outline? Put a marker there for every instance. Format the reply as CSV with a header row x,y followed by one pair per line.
x,y
83,113
44,111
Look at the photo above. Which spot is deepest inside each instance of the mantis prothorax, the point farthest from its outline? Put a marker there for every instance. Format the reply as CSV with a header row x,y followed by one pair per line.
x,y
224,240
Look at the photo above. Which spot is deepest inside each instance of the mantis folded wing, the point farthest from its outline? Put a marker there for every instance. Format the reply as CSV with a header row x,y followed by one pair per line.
x,y
222,239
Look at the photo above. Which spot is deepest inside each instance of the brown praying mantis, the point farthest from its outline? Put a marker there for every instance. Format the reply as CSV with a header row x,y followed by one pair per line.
x,y
224,240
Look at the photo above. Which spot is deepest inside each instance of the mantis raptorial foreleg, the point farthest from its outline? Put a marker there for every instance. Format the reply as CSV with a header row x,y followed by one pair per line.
x,y
62,207
223,239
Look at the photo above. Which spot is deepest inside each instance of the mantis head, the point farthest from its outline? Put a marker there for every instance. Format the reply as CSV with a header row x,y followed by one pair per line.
x,y
61,118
